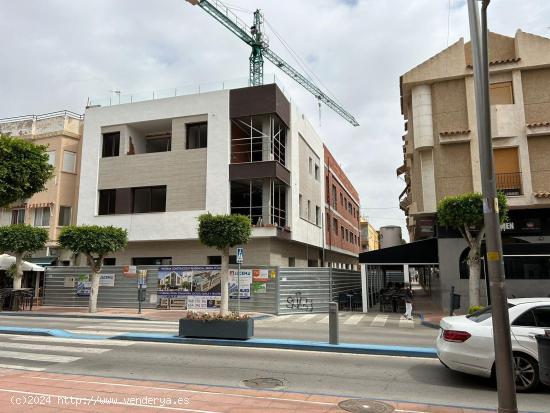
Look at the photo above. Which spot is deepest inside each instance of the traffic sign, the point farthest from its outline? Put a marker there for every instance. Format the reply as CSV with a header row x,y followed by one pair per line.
x,y
240,255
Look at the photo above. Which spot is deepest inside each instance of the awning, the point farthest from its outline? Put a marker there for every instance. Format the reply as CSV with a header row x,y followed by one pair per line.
x,y
7,261
423,252
43,261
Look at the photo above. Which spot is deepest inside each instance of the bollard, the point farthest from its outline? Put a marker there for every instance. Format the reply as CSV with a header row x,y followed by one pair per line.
x,y
333,322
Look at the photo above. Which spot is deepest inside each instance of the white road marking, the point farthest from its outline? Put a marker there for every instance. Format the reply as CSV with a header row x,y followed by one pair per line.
x,y
304,318
17,367
145,322
354,319
379,320
38,357
95,342
117,328
277,319
45,347
404,323
323,320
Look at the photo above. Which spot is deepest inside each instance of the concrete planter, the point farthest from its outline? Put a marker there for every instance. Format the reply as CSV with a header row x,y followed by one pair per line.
x,y
226,329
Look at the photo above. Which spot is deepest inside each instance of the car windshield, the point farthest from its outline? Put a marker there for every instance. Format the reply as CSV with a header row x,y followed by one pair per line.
x,y
484,314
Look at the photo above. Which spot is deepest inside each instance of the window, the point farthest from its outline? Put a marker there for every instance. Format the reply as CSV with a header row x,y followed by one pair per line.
x,y
310,166
542,316
65,213
291,261
308,210
342,231
300,206
334,197
107,202
317,172
160,144
111,144
527,319
197,135
42,217
347,235
51,158
17,216
501,93
335,223
341,199
69,162
109,261
149,199
483,314
317,215
312,263
527,268
152,261
214,259
328,222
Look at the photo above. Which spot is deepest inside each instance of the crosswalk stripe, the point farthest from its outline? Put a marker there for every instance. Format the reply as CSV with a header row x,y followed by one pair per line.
x,y
304,318
404,323
95,342
117,328
46,347
18,367
354,319
277,319
145,322
37,357
379,320
323,320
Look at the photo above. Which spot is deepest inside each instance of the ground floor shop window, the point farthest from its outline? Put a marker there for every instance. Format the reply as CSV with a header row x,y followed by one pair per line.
x,y
152,261
527,267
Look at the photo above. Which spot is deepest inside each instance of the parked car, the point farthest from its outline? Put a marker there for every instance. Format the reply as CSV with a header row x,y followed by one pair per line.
x,y
465,343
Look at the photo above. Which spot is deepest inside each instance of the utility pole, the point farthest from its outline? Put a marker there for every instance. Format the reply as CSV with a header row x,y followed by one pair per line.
x,y
504,364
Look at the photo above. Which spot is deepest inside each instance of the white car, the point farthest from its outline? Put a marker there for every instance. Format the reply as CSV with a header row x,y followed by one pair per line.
x,y
465,343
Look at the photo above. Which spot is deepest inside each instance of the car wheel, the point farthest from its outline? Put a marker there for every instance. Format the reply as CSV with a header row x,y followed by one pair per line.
x,y
527,372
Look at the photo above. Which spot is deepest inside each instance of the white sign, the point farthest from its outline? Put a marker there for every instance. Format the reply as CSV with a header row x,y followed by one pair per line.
x,y
107,280
240,255
244,282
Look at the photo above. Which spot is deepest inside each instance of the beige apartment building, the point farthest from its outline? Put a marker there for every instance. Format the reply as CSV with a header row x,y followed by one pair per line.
x,y
370,237
441,158
55,207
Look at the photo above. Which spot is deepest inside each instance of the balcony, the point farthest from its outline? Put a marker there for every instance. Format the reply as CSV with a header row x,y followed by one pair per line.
x,y
509,183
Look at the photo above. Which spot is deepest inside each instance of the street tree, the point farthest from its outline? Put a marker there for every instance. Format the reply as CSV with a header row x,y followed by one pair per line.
x,y
224,232
465,214
24,169
20,240
95,242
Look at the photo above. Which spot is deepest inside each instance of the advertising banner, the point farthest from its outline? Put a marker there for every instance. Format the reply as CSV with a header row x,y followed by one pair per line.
x,y
84,285
259,288
260,275
197,287
244,282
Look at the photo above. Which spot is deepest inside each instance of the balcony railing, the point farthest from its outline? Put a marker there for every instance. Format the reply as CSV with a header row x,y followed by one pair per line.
x,y
509,183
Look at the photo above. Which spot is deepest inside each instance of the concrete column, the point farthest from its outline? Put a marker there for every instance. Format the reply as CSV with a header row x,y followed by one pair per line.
x,y
266,139
266,201
427,172
406,274
422,117
364,288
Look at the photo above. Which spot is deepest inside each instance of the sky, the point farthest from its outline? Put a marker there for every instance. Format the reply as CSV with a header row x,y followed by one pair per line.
x,y
57,54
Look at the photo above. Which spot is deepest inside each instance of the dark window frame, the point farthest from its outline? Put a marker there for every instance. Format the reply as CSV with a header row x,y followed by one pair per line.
x,y
202,140
110,149
150,207
110,207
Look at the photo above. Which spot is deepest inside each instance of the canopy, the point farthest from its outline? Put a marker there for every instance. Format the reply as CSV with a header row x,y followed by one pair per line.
x,y
422,252
43,261
7,261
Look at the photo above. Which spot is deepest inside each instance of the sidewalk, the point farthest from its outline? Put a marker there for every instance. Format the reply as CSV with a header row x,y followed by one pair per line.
x,y
424,305
48,392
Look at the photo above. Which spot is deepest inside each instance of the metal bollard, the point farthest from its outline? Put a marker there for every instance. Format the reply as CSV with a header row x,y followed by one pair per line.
x,y
333,323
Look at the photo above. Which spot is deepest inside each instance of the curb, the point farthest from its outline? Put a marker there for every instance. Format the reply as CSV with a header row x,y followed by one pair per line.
x,y
101,317
374,349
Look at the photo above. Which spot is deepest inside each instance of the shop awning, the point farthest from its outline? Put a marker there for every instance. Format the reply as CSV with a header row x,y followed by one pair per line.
x,y
43,261
415,253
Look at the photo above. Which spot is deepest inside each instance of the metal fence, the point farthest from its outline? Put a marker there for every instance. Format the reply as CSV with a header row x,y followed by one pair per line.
x,y
259,301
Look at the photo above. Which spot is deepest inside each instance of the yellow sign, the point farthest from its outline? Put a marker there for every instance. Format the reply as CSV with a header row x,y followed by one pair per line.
x,y
493,256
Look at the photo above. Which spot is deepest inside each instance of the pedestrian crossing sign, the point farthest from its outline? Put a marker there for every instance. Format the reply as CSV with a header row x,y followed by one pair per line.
x,y
240,255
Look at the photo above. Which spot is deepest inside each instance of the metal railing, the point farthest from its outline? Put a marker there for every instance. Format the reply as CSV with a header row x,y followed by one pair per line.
x,y
64,113
509,183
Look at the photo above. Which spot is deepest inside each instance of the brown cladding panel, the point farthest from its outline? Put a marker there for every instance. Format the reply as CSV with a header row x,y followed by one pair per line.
x,y
259,170
259,100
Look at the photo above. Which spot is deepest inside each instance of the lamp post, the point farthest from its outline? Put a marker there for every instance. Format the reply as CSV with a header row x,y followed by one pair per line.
x,y
504,364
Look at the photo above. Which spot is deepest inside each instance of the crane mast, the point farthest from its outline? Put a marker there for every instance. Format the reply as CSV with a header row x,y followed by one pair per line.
x,y
259,42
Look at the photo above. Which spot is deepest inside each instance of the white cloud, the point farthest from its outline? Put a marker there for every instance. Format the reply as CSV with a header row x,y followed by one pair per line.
x,y
57,53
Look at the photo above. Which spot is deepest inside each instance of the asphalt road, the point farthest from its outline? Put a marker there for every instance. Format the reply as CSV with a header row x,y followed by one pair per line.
x,y
393,332
394,378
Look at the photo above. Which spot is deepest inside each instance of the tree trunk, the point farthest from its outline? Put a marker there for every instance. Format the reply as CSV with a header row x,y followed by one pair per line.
x,y
18,271
224,305
92,304
474,266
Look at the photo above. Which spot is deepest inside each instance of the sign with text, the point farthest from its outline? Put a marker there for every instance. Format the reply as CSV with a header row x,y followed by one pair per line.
x,y
244,282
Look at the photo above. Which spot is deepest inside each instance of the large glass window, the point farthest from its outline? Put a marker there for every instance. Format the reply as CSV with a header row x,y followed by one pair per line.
x,y
247,198
197,135
152,261
111,144
149,199
527,268
158,144
107,202
42,217
17,216
65,213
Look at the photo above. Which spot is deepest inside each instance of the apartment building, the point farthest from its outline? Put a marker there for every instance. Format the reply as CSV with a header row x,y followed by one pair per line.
x,y
154,166
370,237
441,156
57,206
342,214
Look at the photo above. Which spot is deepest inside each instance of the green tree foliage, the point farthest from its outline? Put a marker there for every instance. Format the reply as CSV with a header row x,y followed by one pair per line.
x,y
464,213
24,169
95,242
20,240
224,232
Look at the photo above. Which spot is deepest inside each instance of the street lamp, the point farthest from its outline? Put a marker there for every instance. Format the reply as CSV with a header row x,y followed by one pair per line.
x,y
504,364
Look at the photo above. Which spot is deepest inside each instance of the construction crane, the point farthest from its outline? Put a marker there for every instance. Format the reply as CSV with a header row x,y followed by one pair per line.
x,y
258,41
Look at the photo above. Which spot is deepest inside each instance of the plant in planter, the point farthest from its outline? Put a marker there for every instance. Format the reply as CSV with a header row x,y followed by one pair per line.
x,y
215,325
